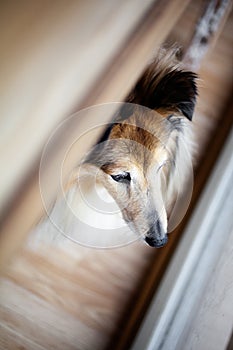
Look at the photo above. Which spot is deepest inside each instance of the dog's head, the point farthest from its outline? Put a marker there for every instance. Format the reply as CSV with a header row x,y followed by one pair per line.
x,y
140,160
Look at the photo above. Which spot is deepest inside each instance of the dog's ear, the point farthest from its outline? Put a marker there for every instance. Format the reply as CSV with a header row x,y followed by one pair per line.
x,y
178,90
173,90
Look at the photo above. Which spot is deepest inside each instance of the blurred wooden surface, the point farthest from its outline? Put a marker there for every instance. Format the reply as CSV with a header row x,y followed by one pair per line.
x,y
57,302
73,299
214,319
51,57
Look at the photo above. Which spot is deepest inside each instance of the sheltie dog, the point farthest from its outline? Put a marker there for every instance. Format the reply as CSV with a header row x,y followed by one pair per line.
x,y
143,159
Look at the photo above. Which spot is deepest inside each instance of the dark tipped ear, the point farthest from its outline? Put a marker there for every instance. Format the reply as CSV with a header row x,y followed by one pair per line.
x,y
175,90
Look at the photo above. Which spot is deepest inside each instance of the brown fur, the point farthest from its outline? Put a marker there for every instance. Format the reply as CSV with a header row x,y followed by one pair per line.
x,y
142,155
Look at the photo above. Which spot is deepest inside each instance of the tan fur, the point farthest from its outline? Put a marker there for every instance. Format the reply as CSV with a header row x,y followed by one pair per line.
x,y
143,145
151,146
141,163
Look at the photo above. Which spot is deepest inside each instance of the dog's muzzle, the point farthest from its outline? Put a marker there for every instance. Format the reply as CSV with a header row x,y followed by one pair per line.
x,y
156,243
156,237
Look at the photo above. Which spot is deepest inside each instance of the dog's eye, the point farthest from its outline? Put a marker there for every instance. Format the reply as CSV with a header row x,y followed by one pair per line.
x,y
124,177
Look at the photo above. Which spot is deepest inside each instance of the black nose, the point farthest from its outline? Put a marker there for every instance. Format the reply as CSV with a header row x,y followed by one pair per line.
x,y
156,237
156,242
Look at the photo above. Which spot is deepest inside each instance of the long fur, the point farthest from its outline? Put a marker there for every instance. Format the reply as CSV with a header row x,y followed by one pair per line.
x,y
144,158
164,84
171,93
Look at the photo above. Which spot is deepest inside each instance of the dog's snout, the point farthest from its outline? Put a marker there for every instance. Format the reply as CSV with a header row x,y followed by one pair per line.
x,y
156,242
156,237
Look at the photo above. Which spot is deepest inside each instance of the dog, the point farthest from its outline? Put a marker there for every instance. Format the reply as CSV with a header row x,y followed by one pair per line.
x,y
141,158
141,163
